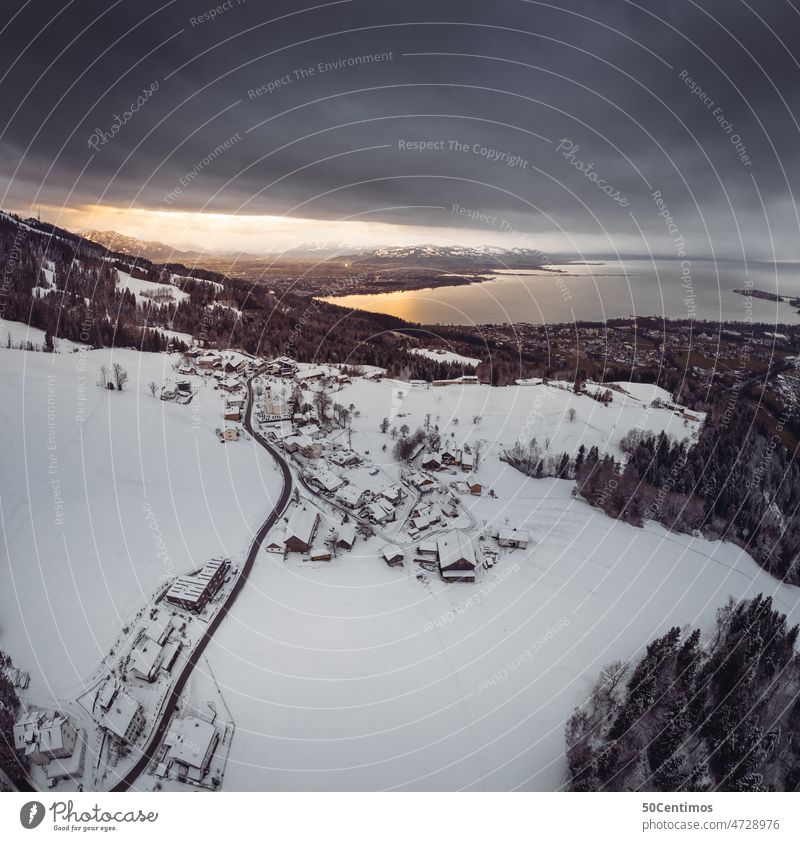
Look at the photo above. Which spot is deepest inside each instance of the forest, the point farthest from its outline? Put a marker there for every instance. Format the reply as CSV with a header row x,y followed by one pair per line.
x,y
719,715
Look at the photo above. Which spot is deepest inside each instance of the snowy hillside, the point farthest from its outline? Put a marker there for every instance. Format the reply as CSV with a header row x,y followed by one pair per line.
x,y
79,547
353,675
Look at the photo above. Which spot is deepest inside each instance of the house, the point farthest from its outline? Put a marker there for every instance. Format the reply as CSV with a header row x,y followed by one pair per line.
x,y
283,366
422,482
451,456
467,462
393,494
428,548
230,433
309,375
125,718
320,554
191,744
353,497
275,410
327,481
345,458
107,693
393,555
43,736
208,361
347,536
513,538
456,557
145,660
474,486
431,461
67,767
380,512
232,412
304,445
276,542
193,592
301,530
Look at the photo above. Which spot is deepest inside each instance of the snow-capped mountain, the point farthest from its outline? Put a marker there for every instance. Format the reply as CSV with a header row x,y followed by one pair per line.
x,y
452,257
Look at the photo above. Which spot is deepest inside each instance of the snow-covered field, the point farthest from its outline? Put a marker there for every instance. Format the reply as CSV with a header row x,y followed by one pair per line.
x,y
445,356
142,289
348,674
352,675
90,480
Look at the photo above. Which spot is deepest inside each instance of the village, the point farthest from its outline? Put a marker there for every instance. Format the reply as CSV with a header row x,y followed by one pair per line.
x,y
439,514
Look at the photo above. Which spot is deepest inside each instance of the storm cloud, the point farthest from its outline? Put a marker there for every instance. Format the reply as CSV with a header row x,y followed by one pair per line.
x,y
614,126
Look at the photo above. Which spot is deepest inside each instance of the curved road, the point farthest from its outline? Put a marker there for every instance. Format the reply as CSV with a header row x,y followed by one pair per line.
x,y
171,703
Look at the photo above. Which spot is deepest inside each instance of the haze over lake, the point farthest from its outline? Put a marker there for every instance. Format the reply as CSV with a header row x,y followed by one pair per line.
x,y
599,291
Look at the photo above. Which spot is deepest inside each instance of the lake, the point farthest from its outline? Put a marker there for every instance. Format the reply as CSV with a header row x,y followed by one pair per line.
x,y
597,292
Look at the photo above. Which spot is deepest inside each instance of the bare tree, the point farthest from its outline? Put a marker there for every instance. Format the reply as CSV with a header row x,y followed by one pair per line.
x,y
153,388
103,381
120,375
571,414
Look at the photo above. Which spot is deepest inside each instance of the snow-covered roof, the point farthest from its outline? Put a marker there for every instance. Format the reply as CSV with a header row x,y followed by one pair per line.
x,y
455,550
302,524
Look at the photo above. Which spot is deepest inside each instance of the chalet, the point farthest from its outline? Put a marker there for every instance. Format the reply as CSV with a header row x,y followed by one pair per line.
x,y
431,461
380,512
307,447
428,548
466,379
513,538
422,482
451,456
342,379
393,555
193,592
230,384
467,462
159,628
393,494
183,387
191,743
347,536
417,383
353,497
301,530
456,557
45,736
320,554
345,458
125,718
326,481
474,486
230,433
312,430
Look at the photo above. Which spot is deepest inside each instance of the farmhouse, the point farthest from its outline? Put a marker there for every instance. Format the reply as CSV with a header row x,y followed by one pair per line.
x,y
276,542
193,592
422,482
467,462
230,384
301,530
456,557
191,744
309,375
451,456
513,538
232,412
474,486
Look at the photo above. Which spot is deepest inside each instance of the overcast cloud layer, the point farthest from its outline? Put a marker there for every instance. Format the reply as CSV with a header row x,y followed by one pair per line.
x,y
695,100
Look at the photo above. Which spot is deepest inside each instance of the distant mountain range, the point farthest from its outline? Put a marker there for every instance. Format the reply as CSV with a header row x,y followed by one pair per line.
x,y
452,257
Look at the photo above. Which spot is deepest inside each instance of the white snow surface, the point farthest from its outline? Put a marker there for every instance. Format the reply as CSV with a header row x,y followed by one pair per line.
x,y
69,588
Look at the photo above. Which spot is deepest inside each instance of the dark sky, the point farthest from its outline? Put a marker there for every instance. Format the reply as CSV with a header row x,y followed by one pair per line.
x,y
513,77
